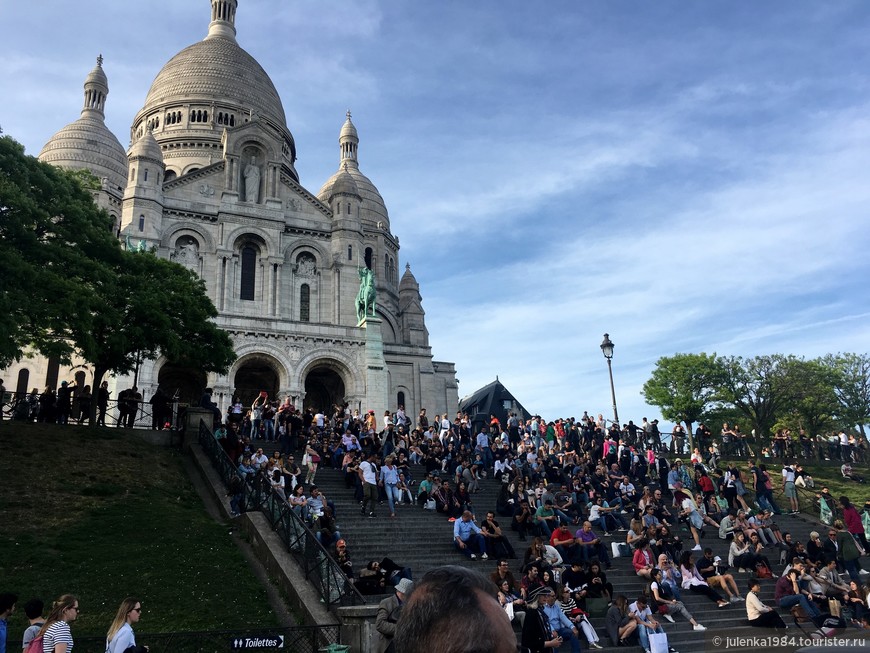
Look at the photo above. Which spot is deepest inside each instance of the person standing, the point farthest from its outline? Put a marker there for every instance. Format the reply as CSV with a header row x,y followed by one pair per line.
x,y
103,395
7,607
368,475
55,632
33,611
121,636
389,611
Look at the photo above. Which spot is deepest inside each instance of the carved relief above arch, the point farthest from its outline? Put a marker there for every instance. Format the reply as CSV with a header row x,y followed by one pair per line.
x,y
297,247
173,233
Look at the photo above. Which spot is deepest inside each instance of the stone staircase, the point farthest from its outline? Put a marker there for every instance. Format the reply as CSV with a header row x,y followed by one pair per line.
x,y
422,539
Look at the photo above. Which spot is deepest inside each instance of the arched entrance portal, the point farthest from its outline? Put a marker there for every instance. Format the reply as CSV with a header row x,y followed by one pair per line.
x,y
324,388
256,374
185,383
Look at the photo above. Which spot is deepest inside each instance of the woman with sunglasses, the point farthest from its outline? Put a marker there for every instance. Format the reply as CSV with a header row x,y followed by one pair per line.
x,y
120,636
55,632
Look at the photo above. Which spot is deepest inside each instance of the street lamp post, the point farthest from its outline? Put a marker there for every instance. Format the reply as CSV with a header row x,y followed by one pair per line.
x,y
607,350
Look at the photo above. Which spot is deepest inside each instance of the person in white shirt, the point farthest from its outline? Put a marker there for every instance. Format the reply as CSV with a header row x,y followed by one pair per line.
x,y
645,622
759,614
120,636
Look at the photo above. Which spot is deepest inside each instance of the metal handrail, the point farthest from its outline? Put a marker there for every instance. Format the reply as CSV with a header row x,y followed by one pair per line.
x,y
318,566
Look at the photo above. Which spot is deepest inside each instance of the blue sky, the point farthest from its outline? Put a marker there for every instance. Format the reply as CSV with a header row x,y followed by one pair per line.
x,y
684,176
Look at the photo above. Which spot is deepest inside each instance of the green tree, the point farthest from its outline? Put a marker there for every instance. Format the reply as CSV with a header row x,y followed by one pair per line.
x,y
851,373
815,402
684,387
69,288
761,388
52,242
151,306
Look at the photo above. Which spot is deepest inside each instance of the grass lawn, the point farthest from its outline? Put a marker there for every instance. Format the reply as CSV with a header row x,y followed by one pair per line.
x,y
101,514
824,475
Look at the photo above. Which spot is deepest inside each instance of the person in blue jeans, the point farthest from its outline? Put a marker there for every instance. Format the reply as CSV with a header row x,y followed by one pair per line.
x,y
467,537
559,623
389,480
788,593
646,625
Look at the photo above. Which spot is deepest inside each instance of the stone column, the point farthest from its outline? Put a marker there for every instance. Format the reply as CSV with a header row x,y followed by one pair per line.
x,y
377,383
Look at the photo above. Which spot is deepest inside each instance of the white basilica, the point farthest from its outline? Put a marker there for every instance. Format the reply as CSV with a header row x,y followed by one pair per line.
x,y
210,181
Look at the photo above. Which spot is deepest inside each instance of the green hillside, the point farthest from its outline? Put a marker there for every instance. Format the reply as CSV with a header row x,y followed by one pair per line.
x,y
103,515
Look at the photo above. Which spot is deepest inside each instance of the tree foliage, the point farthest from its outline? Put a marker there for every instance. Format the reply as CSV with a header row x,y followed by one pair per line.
x,y
52,242
69,288
152,306
684,387
851,385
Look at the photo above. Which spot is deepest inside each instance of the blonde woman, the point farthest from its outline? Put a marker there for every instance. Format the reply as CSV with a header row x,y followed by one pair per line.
x,y
55,632
120,636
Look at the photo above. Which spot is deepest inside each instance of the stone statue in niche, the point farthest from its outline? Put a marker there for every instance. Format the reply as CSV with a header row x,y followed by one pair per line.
x,y
306,266
252,181
186,252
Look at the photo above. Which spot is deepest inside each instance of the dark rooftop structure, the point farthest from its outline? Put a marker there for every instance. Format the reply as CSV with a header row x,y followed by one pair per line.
x,y
491,399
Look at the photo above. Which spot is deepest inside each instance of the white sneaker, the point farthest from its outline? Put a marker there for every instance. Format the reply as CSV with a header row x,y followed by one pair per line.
x,y
473,557
697,547
698,627
736,599
484,557
668,617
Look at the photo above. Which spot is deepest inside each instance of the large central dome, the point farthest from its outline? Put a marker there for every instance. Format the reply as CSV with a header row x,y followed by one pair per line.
x,y
207,89
220,71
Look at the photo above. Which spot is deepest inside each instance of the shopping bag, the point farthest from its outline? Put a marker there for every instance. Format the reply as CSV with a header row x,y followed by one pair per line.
x,y
825,514
834,607
658,642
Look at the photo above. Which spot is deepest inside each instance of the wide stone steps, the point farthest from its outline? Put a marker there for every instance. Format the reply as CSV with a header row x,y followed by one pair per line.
x,y
422,539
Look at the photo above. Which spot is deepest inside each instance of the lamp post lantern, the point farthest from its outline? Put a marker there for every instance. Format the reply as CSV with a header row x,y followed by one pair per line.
x,y
607,350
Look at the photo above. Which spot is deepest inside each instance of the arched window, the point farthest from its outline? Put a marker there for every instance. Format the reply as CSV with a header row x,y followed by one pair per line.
x,y
304,303
348,208
232,121
170,175
350,252
368,257
142,222
205,116
249,272
386,269
400,400
146,175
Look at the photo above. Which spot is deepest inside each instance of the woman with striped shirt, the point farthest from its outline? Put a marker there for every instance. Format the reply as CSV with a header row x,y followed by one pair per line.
x,y
55,632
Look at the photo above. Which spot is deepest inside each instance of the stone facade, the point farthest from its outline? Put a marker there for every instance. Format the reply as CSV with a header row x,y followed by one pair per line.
x,y
210,182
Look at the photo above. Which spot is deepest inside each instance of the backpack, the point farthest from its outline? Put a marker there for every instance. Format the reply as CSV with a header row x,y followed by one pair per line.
x,y
35,646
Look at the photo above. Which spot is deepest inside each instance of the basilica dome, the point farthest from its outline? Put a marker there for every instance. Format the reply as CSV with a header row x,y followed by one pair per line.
x,y
208,88
87,143
216,70
373,208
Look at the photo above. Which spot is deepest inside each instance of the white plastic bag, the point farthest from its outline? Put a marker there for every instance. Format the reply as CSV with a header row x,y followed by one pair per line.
x,y
658,642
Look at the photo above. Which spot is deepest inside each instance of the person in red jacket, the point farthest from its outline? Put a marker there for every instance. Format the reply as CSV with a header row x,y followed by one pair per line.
x,y
643,559
853,521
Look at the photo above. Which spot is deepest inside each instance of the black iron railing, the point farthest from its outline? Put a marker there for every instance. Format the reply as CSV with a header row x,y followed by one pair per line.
x,y
319,567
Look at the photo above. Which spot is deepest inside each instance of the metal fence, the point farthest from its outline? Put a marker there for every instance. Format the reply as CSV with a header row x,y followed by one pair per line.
x,y
319,567
20,407
297,639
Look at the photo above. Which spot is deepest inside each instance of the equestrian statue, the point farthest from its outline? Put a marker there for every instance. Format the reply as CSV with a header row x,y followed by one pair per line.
x,y
365,298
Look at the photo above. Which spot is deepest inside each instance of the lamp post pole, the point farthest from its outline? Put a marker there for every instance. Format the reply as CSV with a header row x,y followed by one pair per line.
x,y
607,350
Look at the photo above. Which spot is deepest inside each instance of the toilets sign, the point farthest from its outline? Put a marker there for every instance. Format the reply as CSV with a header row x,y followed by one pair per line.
x,y
258,643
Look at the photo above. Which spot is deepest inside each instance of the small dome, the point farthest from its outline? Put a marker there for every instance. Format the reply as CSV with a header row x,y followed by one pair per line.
x,y
343,185
348,130
98,76
409,281
88,143
373,208
146,148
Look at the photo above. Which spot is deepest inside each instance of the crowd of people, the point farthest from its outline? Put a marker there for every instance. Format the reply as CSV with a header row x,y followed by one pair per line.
x,y
53,633
579,491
